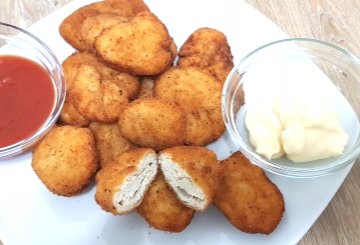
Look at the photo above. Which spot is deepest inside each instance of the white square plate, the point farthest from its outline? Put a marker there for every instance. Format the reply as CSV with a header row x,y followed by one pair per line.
x,y
30,214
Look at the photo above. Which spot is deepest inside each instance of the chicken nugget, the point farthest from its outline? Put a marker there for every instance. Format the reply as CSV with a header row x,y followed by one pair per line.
x,y
246,196
153,123
162,209
122,184
65,160
126,8
141,46
71,116
96,99
208,50
95,24
199,94
130,83
109,141
146,88
71,25
192,172
71,65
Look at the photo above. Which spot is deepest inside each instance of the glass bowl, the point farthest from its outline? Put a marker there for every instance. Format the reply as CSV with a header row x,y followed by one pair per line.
x,y
328,70
18,42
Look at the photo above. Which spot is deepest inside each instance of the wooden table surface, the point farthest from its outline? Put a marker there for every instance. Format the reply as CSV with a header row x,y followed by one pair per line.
x,y
335,21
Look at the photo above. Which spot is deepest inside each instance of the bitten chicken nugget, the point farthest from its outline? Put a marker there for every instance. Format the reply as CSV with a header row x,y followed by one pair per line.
x,y
122,184
96,99
65,160
199,94
162,209
71,25
208,50
192,172
146,88
141,46
246,196
153,123
109,141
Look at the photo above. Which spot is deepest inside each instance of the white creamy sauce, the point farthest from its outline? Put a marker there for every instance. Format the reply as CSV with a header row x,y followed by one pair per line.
x,y
289,117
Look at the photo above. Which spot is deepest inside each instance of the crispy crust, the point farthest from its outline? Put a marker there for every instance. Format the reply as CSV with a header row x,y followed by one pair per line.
x,y
71,116
71,67
126,8
109,141
97,99
130,83
246,196
208,50
70,27
199,94
146,88
162,209
65,160
95,24
141,46
153,123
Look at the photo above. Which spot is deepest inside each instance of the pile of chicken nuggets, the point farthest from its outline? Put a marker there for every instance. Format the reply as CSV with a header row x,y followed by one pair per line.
x,y
138,121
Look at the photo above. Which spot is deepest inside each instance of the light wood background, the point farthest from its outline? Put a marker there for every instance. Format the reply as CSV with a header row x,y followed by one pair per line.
x,y
335,21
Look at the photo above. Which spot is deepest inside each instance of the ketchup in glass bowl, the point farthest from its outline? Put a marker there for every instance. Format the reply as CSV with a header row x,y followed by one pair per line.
x,y
32,90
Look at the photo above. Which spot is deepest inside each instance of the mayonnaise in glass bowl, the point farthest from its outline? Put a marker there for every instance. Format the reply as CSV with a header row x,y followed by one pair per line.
x,y
17,42
323,70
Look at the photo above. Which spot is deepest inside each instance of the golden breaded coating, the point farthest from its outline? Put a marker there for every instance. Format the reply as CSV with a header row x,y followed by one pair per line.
x,y
199,94
72,63
162,209
70,116
71,25
146,88
96,99
192,172
246,196
141,46
65,160
109,141
122,184
130,83
208,50
125,8
153,123
95,24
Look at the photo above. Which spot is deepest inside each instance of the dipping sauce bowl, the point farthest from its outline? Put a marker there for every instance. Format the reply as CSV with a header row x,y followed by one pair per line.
x,y
328,70
32,90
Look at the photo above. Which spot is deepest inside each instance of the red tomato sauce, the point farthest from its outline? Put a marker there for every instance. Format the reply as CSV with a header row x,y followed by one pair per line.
x,y
26,98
